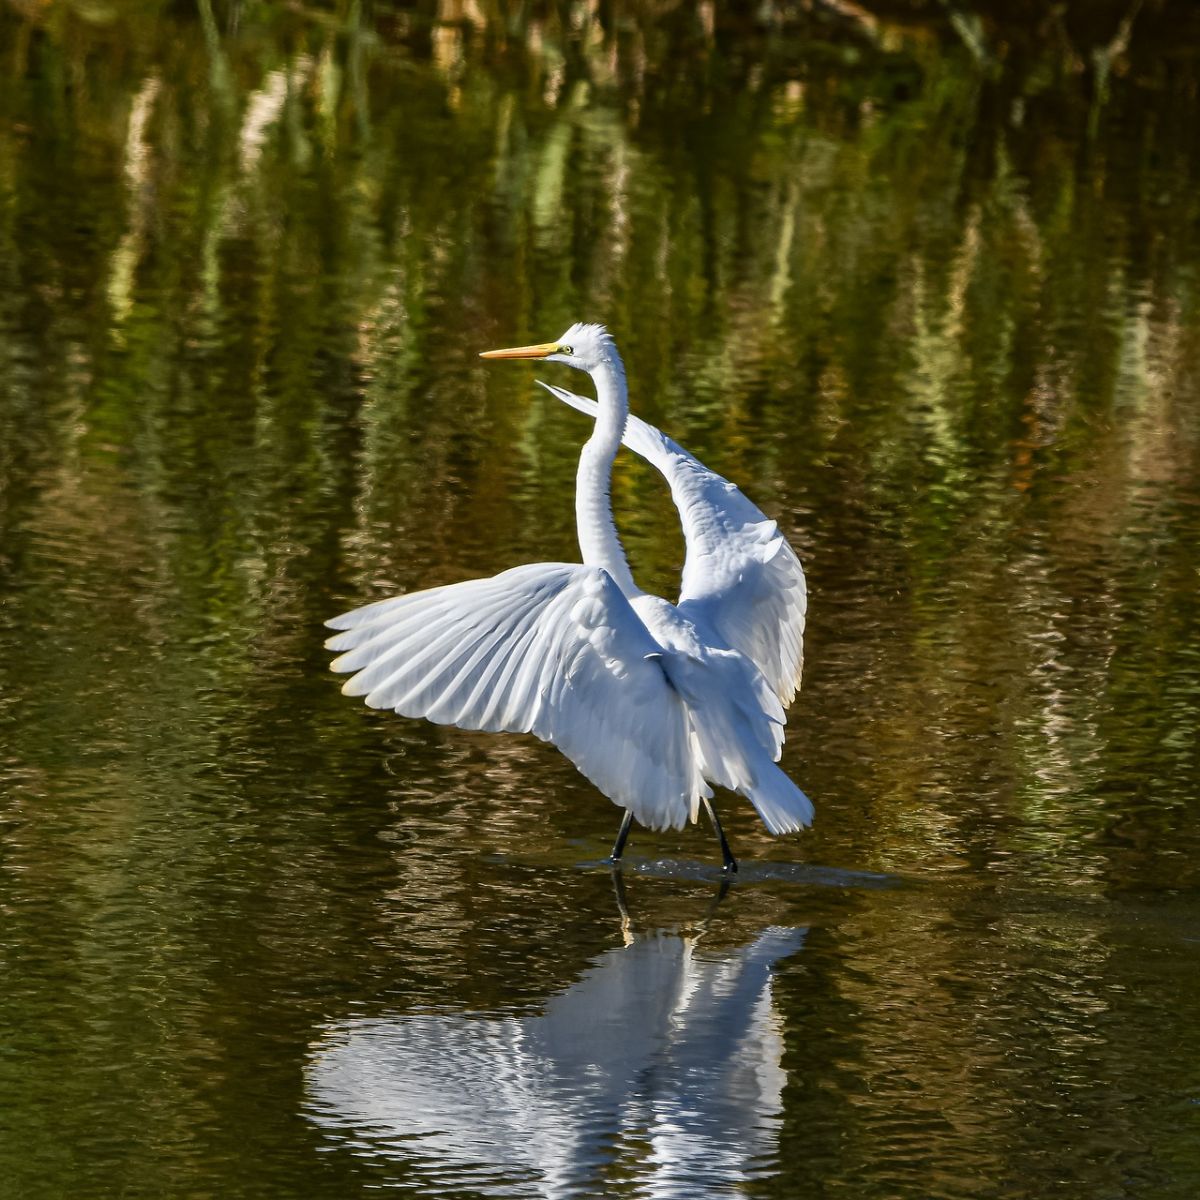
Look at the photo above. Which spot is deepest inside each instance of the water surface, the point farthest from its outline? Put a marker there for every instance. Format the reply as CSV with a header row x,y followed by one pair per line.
x,y
924,283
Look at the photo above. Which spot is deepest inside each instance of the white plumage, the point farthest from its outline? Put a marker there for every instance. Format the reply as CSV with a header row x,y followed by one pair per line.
x,y
551,649
740,575
648,699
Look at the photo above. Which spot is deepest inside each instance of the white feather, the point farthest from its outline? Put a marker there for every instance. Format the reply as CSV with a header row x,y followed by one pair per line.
x,y
552,649
740,575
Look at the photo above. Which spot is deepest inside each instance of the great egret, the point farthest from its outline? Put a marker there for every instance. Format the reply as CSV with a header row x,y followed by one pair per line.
x,y
648,699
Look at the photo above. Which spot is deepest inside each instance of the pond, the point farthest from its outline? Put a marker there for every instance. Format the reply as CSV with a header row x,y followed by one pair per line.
x,y
924,280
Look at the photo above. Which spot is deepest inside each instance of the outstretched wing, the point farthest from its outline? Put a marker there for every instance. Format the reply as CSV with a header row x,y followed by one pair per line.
x,y
740,574
552,649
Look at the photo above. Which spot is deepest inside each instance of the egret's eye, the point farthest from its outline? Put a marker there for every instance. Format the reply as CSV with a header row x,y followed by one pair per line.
x,y
565,350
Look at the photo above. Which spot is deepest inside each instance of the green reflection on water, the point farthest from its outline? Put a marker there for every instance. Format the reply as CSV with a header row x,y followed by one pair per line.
x,y
926,287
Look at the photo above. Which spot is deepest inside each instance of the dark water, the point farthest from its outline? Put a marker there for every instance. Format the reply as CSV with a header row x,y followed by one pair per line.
x,y
926,281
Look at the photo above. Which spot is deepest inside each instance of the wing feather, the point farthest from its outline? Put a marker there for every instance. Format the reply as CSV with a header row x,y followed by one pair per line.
x,y
740,575
552,649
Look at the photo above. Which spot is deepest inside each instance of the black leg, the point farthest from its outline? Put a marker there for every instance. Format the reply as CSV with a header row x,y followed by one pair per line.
x,y
622,833
729,862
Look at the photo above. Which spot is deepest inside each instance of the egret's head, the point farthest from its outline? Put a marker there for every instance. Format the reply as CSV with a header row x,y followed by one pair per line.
x,y
584,346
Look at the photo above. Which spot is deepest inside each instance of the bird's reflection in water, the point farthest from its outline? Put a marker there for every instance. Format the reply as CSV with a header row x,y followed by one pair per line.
x,y
659,1067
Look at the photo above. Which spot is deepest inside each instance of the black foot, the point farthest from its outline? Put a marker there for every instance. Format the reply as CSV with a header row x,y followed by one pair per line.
x,y
728,862
619,845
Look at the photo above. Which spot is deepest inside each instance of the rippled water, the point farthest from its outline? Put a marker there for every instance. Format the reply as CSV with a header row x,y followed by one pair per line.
x,y
924,283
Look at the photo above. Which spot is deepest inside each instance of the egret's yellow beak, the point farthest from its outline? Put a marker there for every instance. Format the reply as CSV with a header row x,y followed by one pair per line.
x,y
542,351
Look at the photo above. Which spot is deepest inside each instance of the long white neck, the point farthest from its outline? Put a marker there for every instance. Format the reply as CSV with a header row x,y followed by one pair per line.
x,y
598,538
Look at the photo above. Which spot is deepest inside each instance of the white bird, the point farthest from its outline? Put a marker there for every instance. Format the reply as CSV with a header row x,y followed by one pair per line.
x,y
651,701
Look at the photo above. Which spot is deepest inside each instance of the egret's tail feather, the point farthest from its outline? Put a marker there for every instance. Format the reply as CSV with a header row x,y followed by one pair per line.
x,y
783,807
